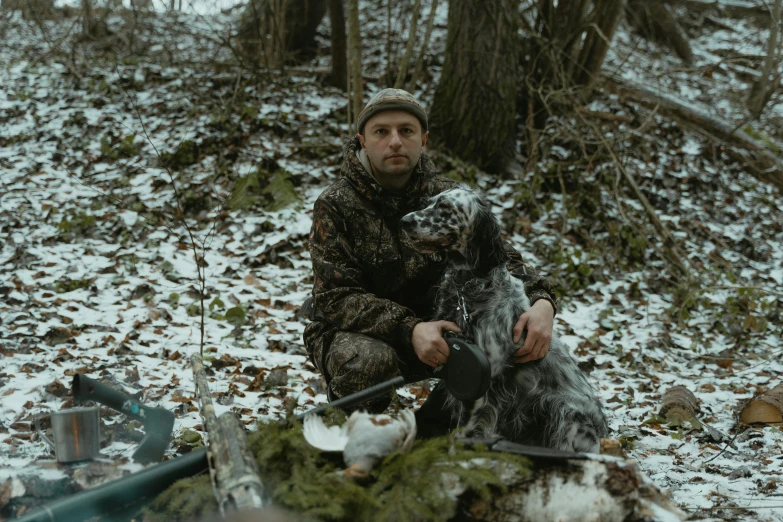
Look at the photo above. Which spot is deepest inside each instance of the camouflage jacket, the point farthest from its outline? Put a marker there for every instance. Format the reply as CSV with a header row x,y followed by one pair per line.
x,y
368,279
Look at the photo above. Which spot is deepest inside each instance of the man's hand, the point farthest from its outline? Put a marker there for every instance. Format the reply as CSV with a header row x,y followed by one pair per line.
x,y
538,320
428,342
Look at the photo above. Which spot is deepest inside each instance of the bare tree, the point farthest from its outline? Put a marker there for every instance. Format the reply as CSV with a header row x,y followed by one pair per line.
x,y
424,46
474,110
274,32
764,86
86,17
653,20
406,58
355,49
339,76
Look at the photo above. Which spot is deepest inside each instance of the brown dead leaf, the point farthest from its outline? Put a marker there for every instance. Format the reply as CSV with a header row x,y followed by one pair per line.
x,y
250,279
174,356
258,383
420,392
225,360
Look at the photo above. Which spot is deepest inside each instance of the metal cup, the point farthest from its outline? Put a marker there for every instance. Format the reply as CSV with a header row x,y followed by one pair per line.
x,y
76,433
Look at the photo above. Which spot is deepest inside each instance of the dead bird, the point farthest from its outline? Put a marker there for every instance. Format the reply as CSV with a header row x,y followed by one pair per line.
x,y
364,439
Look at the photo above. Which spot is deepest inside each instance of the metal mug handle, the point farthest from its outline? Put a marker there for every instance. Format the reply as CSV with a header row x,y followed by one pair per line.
x,y
40,431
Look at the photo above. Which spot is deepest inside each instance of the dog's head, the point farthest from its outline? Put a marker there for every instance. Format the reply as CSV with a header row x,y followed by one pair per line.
x,y
460,223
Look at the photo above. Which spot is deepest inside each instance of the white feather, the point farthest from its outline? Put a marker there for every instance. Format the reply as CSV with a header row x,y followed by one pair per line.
x,y
332,438
409,419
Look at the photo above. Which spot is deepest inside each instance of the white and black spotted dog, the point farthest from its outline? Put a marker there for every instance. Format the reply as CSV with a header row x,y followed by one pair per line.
x,y
547,402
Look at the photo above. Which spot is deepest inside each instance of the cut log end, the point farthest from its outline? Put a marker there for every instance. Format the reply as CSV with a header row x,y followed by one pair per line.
x,y
765,409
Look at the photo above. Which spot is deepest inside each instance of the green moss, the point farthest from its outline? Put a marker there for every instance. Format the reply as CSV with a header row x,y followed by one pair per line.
x,y
69,285
280,192
236,315
188,499
193,309
216,303
75,224
763,137
405,486
246,190
122,147
272,189
186,154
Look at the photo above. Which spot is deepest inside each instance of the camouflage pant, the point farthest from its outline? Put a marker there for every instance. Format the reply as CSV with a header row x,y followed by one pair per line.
x,y
355,362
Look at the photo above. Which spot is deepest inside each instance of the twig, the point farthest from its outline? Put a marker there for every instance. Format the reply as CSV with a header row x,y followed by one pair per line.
x,y
200,269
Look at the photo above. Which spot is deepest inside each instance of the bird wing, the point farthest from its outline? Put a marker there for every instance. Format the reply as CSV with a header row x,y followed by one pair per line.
x,y
409,420
332,438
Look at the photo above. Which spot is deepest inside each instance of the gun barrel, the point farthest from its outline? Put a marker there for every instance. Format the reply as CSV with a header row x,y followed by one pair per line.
x,y
357,398
122,493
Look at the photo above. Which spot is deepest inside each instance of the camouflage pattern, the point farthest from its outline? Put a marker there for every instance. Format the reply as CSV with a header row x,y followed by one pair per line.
x,y
368,279
355,362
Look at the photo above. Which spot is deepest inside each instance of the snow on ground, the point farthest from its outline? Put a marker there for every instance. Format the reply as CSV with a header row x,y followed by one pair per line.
x,y
98,277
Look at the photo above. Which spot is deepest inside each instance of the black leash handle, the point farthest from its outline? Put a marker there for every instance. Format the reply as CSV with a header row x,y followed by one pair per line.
x,y
358,397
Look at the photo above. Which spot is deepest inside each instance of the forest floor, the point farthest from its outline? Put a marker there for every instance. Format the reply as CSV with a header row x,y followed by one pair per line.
x,y
97,277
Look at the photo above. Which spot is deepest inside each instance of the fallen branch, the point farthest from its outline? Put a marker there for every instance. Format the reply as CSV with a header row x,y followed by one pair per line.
x,y
760,155
671,251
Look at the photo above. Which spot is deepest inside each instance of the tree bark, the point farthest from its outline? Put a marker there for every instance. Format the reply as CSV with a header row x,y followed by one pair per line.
x,y
280,31
607,14
406,59
339,76
654,21
424,47
762,88
474,110
86,17
355,44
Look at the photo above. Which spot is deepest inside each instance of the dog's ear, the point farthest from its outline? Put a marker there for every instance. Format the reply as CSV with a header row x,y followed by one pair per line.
x,y
485,246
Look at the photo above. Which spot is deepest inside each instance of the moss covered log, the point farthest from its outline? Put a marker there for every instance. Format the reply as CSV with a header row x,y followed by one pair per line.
x,y
425,484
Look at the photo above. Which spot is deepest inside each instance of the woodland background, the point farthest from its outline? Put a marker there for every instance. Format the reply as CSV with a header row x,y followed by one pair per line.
x,y
159,161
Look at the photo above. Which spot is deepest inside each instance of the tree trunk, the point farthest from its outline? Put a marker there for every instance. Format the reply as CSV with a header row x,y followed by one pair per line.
x,y
355,44
406,59
86,17
474,110
762,89
339,76
606,15
653,20
424,46
280,31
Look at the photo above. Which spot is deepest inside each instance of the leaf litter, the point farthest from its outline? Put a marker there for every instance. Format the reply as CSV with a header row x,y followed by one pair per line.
x,y
96,277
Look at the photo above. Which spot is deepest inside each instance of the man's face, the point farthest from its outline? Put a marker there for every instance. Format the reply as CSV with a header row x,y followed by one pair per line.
x,y
393,142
